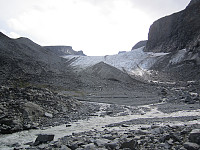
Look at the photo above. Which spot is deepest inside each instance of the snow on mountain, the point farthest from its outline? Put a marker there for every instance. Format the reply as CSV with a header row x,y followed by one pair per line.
x,y
134,62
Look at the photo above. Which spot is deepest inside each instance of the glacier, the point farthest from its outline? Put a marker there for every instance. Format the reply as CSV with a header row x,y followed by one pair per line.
x,y
135,62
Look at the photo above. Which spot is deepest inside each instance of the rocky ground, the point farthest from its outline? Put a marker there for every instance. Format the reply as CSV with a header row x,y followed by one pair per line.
x,y
151,138
31,108
168,122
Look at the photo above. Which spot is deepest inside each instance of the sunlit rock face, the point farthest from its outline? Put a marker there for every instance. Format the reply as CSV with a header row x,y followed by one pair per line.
x,y
177,31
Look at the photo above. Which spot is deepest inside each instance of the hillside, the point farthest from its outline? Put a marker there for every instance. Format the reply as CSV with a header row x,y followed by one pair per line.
x,y
24,62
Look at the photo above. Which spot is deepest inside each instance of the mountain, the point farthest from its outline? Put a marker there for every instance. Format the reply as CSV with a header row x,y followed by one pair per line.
x,y
179,36
63,50
25,62
175,32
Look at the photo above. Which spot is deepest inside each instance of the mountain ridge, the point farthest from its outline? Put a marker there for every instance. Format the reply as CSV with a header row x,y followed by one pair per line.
x,y
23,61
175,32
64,50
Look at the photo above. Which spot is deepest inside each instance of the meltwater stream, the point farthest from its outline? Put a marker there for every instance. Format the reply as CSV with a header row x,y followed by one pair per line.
x,y
97,122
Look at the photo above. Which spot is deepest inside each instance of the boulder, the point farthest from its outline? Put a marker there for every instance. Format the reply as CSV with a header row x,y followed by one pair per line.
x,y
191,146
164,138
195,136
175,137
189,100
111,145
157,131
101,142
63,147
164,92
48,115
90,146
130,144
32,111
43,138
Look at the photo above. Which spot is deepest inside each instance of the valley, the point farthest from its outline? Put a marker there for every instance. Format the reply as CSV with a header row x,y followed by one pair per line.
x,y
52,97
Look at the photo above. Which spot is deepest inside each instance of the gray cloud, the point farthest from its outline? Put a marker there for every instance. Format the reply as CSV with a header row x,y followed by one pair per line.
x,y
160,8
155,8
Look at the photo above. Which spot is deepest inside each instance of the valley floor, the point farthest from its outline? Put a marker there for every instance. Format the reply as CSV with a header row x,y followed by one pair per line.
x,y
162,117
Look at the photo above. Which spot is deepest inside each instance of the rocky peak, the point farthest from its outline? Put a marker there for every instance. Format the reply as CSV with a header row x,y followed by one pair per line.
x,y
192,2
3,37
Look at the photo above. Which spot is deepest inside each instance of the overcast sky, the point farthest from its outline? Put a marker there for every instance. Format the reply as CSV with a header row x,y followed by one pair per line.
x,y
98,27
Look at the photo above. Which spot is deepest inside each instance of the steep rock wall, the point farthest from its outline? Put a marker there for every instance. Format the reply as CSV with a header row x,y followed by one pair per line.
x,y
177,31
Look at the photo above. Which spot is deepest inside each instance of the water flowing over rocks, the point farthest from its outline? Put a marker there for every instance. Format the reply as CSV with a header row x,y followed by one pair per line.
x,y
117,127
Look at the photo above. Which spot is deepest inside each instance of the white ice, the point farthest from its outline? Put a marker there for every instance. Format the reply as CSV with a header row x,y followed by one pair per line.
x,y
133,62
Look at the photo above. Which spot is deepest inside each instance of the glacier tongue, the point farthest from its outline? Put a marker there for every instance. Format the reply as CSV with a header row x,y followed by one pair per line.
x,y
134,62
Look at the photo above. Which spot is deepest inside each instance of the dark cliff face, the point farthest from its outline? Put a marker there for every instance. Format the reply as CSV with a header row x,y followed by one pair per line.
x,y
63,50
192,2
179,36
177,31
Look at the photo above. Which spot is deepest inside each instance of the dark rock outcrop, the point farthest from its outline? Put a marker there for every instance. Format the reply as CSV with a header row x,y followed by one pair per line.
x,y
177,31
63,50
139,44
192,2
